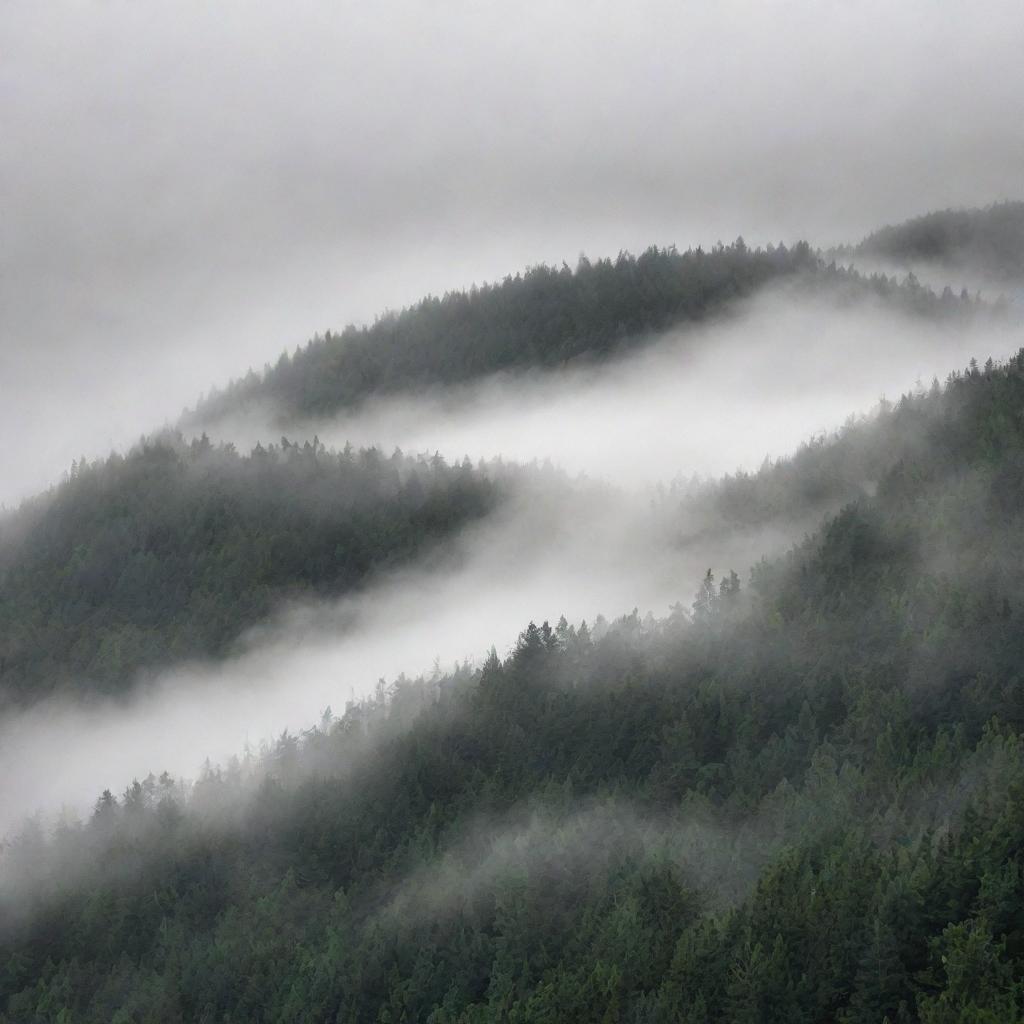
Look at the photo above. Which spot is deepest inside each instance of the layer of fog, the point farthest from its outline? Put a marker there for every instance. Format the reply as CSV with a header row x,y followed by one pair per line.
x,y
551,847
187,189
556,851
938,275
701,401
556,549
698,401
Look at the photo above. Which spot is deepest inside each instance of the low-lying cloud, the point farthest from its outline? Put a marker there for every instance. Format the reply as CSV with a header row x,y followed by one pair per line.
x,y
188,189
579,550
701,400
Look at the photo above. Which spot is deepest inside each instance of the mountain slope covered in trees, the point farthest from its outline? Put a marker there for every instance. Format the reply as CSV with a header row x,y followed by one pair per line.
x,y
171,551
542,320
798,799
989,240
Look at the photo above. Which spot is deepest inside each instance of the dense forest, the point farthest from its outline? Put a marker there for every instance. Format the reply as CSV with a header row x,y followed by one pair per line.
x,y
171,551
542,318
797,798
989,240
421,603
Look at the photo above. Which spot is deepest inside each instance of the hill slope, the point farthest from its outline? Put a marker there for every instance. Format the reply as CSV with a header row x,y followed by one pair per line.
x,y
542,320
170,552
539,319
989,241
800,801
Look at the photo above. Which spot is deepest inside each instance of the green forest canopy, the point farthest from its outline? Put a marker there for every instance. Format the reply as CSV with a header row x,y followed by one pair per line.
x,y
797,799
171,551
540,320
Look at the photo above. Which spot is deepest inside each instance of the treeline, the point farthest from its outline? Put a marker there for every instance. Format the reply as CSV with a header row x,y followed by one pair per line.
x,y
542,318
796,799
989,240
827,471
170,552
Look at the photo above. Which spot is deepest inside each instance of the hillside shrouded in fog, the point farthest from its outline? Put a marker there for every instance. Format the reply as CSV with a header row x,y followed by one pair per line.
x,y
139,575
188,190
611,819
511,516
183,602
170,553
988,241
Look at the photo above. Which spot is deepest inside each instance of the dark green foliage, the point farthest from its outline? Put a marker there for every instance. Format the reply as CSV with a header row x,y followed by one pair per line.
x,y
546,319
543,318
803,803
171,551
989,240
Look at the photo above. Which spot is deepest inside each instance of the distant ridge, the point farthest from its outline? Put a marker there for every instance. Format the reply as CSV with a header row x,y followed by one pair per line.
x,y
989,240
542,319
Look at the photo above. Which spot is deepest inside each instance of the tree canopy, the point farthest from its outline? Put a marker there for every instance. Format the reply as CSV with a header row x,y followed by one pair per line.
x,y
542,318
989,240
796,798
171,551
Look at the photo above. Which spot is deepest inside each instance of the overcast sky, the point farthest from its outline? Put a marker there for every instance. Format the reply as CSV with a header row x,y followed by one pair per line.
x,y
186,188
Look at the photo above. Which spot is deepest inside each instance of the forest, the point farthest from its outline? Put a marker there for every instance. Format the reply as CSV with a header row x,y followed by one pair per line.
x,y
796,798
990,240
171,551
543,319
512,515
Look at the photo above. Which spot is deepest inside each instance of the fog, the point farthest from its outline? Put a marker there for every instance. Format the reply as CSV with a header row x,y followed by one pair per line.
x,y
553,850
556,549
700,400
936,275
189,190
552,854
186,190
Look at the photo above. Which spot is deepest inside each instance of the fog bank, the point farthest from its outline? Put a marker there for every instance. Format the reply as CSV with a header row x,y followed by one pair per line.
x,y
578,551
186,190
701,400
696,402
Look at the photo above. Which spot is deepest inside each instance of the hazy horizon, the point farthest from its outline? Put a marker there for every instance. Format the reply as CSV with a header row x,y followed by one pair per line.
x,y
187,192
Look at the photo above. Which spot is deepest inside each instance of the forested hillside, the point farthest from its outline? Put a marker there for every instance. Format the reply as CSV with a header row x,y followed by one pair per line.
x,y
544,319
171,551
989,240
421,603
798,798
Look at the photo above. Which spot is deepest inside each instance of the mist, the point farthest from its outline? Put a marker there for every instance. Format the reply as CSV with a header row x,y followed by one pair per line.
x,y
580,550
584,537
187,192
554,848
284,733
698,401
